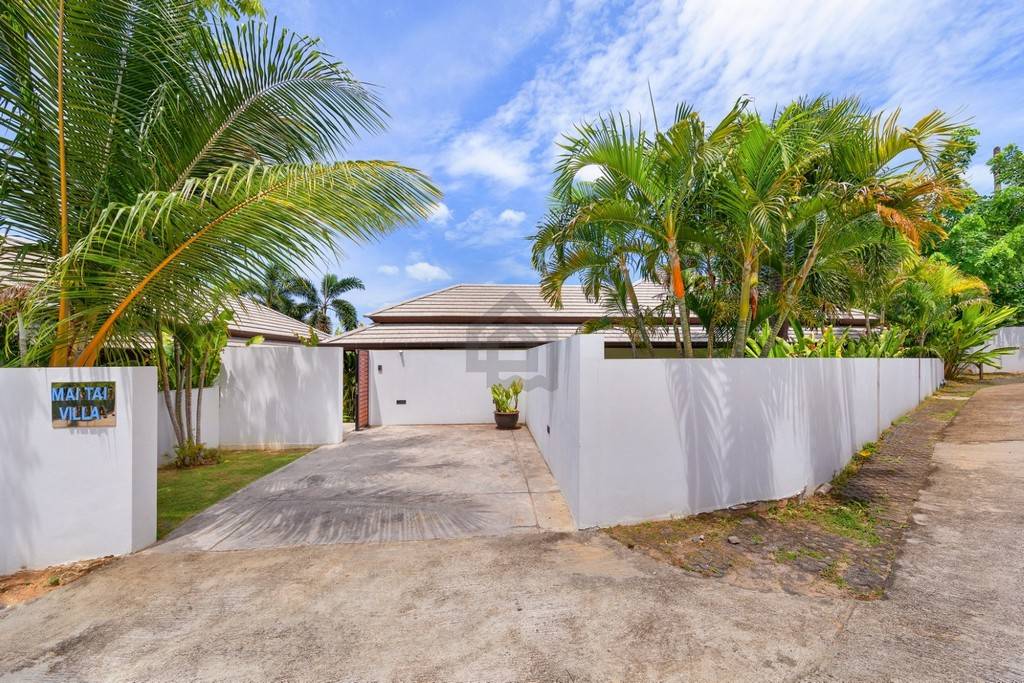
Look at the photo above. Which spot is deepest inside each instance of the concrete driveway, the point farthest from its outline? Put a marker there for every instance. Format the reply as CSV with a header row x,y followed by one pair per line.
x,y
556,606
389,484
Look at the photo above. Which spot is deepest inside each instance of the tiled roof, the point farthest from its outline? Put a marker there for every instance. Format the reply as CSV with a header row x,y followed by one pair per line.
x,y
16,266
459,335
250,318
504,303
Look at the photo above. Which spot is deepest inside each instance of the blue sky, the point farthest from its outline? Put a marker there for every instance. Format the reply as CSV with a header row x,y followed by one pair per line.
x,y
480,91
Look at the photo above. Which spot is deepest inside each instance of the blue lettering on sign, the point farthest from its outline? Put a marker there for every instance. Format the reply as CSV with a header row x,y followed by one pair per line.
x,y
66,393
79,414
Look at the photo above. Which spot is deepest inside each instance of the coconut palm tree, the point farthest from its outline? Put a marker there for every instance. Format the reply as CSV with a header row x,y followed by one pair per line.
x,y
314,304
157,160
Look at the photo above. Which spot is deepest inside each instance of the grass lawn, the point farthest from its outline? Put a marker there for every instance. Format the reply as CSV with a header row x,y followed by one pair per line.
x,y
183,493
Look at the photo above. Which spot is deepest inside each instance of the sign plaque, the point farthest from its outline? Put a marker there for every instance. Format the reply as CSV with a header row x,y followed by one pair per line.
x,y
82,404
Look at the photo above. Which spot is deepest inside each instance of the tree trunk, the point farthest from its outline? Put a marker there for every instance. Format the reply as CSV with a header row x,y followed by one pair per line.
x,y
687,332
165,382
787,297
199,399
188,397
178,392
739,342
635,303
679,293
22,340
867,322
675,328
710,331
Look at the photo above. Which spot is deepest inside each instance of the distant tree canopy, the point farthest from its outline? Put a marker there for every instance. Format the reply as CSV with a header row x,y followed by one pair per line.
x,y
987,238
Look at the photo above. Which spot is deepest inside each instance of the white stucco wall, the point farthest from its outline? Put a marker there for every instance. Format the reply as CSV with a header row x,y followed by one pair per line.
x,y
555,404
210,433
276,397
443,386
1011,336
72,494
641,439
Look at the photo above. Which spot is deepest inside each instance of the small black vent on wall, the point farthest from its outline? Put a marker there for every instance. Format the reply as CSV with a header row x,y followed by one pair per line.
x,y
400,401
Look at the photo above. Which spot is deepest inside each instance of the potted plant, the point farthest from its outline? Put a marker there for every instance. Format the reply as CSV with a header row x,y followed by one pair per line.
x,y
506,403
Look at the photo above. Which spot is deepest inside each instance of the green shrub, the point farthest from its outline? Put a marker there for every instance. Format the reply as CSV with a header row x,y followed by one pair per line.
x,y
506,399
190,454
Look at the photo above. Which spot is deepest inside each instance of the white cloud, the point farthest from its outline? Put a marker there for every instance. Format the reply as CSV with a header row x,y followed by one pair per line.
x,y
426,272
589,173
512,217
440,215
483,228
501,160
918,55
388,270
517,269
980,177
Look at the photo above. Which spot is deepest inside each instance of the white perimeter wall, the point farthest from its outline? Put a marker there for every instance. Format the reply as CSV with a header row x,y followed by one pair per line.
x,y
1011,336
210,432
280,396
440,386
637,439
72,494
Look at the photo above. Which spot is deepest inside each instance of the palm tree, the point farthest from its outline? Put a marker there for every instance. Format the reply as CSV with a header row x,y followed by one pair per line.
x,y
601,253
314,304
866,178
273,290
157,160
651,186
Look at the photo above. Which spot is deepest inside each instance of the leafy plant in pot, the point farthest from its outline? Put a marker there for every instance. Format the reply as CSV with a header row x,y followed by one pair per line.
x,y
506,403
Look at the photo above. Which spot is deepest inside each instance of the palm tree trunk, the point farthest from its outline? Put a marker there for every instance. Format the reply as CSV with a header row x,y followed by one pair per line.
x,y
188,397
710,331
685,323
679,293
635,303
165,384
62,350
792,293
675,328
739,342
178,392
199,399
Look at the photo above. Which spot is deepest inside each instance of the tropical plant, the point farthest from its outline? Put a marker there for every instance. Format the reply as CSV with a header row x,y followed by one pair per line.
x,y
1008,166
929,292
315,303
886,344
136,202
274,289
621,315
188,357
645,196
965,341
506,398
864,179
987,241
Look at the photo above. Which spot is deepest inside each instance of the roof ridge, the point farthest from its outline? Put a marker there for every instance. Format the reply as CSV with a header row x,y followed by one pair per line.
x,y
415,298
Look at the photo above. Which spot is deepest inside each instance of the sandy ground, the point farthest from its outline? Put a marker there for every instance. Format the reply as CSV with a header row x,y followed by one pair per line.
x,y
556,606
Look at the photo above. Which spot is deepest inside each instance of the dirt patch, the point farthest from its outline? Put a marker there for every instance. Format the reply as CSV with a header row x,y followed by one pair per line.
x,y
844,540
29,584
